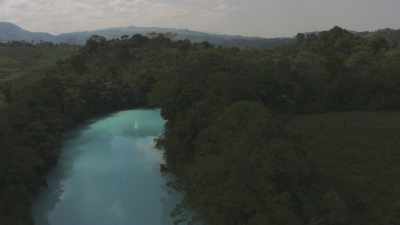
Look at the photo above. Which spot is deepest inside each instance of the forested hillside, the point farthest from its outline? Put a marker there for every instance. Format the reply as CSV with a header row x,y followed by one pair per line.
x,y
238,136
21,58
391,35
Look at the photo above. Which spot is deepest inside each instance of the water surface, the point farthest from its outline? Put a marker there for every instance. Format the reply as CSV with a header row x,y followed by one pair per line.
x,y
109,174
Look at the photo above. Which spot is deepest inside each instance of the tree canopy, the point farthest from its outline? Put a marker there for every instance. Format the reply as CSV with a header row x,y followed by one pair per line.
x,y
227,139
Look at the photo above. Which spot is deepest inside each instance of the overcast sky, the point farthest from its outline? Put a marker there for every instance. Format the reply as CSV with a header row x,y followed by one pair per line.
x,y
268,18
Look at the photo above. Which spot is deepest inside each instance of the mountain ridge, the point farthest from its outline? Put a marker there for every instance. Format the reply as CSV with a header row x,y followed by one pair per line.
x,y
12,32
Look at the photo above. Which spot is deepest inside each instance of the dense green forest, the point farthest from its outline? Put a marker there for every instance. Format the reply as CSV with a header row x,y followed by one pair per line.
x,y
253,136
20,58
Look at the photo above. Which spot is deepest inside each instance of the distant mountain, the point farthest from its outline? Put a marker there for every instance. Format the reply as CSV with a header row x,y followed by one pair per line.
x,y
179,34
12,32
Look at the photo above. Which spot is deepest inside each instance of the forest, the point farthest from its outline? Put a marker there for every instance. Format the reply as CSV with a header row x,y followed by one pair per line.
x,y
301,134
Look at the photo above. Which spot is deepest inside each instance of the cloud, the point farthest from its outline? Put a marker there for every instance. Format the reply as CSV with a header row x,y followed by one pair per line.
x,y
251,17
43,13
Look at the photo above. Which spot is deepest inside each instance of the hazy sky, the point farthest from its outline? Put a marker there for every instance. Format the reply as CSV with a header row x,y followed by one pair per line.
x,y
266,18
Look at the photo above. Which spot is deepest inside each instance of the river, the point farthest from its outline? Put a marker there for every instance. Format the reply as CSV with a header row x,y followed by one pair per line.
x,y
108,174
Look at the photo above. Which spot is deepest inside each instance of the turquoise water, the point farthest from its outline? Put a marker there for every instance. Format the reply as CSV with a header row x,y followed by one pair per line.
x,y
109,174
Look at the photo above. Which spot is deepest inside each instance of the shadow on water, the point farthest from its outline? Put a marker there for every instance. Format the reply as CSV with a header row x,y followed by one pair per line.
x,y
109,174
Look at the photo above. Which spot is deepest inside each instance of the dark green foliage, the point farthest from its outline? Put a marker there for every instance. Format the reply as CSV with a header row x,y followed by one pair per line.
x,y
101,78
227,139
21,60
358,154
235,160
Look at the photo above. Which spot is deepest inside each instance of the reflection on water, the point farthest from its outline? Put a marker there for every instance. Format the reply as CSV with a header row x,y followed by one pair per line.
x,y
109,175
